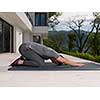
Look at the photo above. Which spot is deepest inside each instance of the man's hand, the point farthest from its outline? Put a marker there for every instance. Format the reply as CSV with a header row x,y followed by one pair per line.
x,y
77,64
70,62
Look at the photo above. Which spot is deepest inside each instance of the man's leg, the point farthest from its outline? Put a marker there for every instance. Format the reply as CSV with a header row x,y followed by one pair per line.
x,y
31,57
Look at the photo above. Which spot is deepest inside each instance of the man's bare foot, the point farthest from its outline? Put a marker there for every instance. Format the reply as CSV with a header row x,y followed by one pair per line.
x,y
20,62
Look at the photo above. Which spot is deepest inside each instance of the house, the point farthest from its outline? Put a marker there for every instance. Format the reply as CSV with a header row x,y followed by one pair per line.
x,y
20,27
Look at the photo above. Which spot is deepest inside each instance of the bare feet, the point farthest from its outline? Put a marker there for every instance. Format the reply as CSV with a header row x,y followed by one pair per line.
x,y
20,62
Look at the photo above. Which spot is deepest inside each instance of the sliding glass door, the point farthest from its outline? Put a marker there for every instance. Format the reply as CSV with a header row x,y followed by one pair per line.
x,y
6,37
1,37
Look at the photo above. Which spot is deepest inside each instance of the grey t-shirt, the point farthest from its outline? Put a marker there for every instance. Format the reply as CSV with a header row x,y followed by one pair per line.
x,y
42,50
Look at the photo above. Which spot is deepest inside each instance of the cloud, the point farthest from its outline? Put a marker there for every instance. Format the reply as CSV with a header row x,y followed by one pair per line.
x,y
66,16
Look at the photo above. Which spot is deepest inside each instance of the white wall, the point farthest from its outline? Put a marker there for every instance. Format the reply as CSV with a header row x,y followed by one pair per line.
x,y
40,29
22,27
25,20
18,19
26,37
19,38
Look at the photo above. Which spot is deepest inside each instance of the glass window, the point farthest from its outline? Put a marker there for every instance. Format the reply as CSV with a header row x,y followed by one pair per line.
x,y
40,19
1,37
43,19
37,20
6,37
29,16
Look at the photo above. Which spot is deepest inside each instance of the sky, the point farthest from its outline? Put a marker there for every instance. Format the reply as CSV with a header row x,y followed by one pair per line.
x,y
66,16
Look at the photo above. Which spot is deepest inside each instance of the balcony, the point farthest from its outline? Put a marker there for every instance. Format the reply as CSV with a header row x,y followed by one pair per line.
x,y
30,17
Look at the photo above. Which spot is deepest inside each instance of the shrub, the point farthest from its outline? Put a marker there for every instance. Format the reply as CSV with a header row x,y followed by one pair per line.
x,y
83,55
97,59
50,43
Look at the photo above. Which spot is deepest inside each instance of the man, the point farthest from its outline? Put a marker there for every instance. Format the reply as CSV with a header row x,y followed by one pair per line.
x,y
34,54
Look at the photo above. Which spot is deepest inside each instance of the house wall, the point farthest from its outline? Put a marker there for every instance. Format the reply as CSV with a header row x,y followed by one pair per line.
x,y
26,37
40,30
19,38
23,30
25,20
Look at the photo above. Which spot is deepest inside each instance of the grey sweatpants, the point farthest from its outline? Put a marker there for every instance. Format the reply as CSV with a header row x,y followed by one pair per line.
x,y
31,57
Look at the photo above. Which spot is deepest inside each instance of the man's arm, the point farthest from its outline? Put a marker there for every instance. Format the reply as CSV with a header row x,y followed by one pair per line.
x,y
67,61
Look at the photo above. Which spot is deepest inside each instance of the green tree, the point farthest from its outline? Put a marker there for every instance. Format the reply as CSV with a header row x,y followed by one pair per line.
x,y
58,40
53,19
50,43
76,26
94,39
94,49
71,41
96,36
54,13
55,42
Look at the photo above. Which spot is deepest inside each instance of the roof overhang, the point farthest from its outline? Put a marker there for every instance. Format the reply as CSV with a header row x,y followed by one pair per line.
x,y
18,19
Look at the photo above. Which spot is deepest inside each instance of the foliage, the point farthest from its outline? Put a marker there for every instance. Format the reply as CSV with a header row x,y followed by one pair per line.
x,y
54,13
55,42
49,43
82,40
84,56
53,19
94,49
97,59
52,44
86,43
76,26
71,41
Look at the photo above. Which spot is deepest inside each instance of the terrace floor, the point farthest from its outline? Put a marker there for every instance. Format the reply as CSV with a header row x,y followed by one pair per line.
x,y
45,78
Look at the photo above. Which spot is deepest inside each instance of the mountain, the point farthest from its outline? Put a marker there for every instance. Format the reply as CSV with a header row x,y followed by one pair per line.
x,y
64,32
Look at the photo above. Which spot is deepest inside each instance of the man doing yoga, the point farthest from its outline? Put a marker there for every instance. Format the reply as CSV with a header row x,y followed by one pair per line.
x,y
34,54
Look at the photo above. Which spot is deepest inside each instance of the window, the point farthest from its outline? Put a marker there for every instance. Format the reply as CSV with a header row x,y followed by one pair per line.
x,y
6,37
1,35
40,19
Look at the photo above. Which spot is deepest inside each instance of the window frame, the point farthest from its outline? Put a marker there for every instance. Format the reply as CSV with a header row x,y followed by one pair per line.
x,y
40,14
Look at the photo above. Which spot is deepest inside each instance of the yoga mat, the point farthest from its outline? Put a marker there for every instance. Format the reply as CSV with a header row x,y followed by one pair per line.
x,y
53,67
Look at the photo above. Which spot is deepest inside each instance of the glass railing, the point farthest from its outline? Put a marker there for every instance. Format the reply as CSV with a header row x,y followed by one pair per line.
x,y
29,16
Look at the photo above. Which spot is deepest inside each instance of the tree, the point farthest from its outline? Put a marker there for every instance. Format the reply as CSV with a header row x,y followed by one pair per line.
x,y
58,40
95,49
94,41
55,42
50,43
54,13
71,41
81,38
53,19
